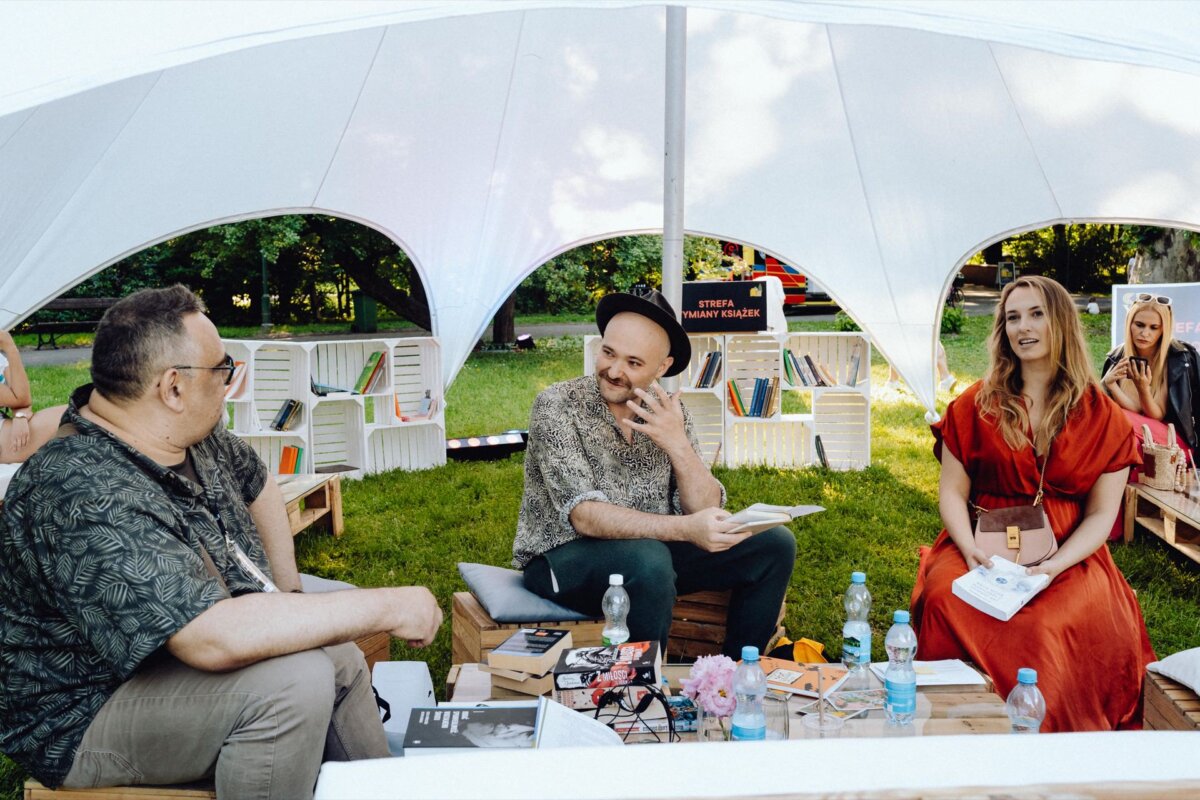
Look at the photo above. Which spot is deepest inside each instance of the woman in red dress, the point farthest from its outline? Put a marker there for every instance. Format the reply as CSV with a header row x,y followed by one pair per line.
x,y
1084,632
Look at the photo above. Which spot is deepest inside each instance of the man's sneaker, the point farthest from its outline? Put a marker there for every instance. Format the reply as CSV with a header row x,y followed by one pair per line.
x,y
947,383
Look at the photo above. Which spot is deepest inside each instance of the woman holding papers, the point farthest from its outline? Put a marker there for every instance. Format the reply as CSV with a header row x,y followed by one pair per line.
x,y
1039,403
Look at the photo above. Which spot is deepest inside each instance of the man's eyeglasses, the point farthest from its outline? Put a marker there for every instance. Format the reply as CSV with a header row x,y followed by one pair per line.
x,y
227,365
1146,297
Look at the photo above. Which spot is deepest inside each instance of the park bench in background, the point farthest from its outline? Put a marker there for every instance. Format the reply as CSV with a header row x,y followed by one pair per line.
x,y
48,330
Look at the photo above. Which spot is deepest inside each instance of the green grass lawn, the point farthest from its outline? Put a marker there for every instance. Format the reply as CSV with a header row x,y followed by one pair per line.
x,y
414,527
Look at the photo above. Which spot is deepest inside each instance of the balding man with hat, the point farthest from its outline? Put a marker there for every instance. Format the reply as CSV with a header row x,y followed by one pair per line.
x,y
614,483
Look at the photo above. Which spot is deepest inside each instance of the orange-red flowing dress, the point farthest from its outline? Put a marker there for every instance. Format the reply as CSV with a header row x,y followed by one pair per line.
x,y
1084,632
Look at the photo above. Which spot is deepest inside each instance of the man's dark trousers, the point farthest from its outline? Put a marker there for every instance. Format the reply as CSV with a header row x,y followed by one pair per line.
x,y
757,570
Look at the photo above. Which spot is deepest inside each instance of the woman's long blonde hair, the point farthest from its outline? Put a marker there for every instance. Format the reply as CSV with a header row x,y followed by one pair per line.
x,y
1158,364
1000,396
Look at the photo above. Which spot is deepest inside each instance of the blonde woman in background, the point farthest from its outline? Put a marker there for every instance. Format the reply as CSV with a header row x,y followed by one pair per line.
x,y
25,431
1152,375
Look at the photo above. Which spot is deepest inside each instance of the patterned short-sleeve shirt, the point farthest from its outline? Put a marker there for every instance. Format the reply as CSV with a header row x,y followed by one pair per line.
x,y
99,565
577,451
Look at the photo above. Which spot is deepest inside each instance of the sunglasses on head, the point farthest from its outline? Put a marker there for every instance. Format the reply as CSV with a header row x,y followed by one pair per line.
x,y
1146,297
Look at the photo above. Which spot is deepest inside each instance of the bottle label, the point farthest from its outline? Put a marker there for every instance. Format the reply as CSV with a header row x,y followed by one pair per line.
x,y
748,734
901,696
857,649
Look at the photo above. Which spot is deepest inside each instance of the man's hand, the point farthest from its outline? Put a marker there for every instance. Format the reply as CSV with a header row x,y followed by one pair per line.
x,y
661,418
20,433
709,530
419,616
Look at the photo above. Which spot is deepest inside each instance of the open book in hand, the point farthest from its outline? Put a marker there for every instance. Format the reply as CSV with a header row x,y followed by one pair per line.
x,y
761,516
1000,591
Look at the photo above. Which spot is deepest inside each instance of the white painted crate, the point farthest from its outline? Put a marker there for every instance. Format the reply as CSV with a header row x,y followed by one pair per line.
x,y
338,434
269,447
279,373
784,442
415,445
843,421
340,363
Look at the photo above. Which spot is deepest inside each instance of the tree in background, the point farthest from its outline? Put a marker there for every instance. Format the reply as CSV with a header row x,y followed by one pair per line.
x,y
1164,255
1083,258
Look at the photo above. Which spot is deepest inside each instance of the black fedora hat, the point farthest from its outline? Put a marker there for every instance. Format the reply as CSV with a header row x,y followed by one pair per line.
x,y
654,307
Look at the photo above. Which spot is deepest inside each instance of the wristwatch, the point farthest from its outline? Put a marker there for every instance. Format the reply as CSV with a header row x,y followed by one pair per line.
x,y
21,415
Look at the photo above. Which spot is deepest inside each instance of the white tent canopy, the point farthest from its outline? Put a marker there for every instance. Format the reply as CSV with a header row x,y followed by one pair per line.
x,y
875,145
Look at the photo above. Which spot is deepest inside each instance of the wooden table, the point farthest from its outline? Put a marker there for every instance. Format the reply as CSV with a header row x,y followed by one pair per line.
x,y
1173,517
941,711
311,499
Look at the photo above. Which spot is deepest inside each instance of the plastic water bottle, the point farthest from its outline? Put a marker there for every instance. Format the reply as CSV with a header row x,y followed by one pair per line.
x,y
856,633
1025,705
900,680
616,610
749,687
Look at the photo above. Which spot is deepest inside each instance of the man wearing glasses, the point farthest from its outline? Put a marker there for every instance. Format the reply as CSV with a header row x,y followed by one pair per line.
x,y
143,634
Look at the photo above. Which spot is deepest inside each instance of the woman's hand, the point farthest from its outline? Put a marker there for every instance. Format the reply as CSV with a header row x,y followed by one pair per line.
x,y
20,433
1051,566
974,556
1118,373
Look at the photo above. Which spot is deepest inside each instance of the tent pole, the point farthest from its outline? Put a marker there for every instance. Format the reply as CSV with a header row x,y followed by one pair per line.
x,y
676,85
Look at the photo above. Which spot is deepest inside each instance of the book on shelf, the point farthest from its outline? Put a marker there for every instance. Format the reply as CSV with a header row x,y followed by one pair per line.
x,y
702,373
290,459
772,402
1000,591
533,651
760,516
609,665
788,676
237,383
827,376
373,365
540,723
325,390
804,367
735,399
755,399
814,370
821,457
708,372
286,416
855,364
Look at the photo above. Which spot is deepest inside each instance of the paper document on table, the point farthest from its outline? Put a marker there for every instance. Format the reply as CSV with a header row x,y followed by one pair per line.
x,y
950,672
559,726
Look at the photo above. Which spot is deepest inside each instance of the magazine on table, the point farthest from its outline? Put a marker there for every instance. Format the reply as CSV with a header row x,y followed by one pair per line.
x,y
463,728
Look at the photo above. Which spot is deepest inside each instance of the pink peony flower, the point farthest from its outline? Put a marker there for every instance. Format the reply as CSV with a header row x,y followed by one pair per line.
x,y
710,684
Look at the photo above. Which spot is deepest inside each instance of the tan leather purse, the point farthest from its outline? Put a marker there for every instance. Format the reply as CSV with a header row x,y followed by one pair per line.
x,y
1021,534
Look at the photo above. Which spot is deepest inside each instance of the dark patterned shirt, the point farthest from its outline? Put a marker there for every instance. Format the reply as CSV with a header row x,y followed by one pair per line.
x,y
577,452
99,566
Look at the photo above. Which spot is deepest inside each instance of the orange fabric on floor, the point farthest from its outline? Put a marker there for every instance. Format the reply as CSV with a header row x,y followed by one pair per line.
x,y
1083,633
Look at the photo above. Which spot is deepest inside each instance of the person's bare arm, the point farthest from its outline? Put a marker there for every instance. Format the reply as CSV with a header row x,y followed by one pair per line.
x,y
1152,405
270,517
244,630
663,422
954,491
1103,501
14,392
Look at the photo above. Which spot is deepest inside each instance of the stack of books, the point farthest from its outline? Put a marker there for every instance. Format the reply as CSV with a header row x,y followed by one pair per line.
x,y
710,369
521,665
763,400
291,459
371,376
808,371
583,675
287,416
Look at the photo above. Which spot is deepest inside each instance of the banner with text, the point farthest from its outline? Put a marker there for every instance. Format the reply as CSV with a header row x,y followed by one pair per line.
x,y
724,307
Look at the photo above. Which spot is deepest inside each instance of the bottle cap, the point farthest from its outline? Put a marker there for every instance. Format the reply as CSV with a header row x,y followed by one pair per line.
x,y
749,653
858,577
1027,675
900,617
616,579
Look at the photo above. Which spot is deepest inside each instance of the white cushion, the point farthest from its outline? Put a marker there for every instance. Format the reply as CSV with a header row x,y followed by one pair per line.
x,y
1183,667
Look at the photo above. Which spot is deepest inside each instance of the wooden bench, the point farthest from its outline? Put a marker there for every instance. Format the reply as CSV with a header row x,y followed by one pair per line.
x,y
697,627
48,331
1168,705
194,791
313,499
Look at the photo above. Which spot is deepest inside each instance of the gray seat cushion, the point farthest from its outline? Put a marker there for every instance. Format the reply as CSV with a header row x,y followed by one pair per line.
x,y
503,595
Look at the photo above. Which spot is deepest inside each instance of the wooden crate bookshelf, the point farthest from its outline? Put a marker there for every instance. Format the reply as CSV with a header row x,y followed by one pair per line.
x,y
840,415
341,431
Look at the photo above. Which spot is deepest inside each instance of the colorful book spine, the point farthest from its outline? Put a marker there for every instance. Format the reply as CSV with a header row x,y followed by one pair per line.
x,y
368,372
813,371
735,398
702,375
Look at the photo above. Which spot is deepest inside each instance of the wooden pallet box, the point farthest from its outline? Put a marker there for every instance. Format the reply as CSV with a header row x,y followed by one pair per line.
x,y
1168,705
195,791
